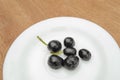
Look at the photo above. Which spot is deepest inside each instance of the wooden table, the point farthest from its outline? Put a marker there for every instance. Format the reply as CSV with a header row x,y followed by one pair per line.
x,y
17,15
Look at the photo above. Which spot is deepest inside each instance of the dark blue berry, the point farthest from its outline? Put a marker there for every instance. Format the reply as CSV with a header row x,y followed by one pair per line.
x,y
85,54
69,42
54,46
71,62
69,51
55,62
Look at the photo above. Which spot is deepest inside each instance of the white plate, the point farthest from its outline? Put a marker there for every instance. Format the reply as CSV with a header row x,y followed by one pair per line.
x,y
27,57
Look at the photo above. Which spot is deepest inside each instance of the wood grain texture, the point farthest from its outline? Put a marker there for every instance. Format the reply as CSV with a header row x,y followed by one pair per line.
x,y
17,15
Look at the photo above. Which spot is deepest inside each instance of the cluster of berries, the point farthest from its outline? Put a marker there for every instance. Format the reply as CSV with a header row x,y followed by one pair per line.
x,y
72,60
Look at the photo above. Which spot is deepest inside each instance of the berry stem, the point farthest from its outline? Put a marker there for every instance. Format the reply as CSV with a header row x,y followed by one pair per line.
x,y
57,53
54,53
40,39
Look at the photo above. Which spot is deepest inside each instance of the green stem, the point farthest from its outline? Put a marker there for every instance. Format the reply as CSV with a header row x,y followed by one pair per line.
x,y
57,53
42,40
54,53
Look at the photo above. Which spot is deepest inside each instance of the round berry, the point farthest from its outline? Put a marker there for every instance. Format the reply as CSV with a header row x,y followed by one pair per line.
x,y
71,62
54,46
69,42
69,51
55,62
85,54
